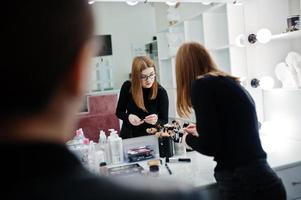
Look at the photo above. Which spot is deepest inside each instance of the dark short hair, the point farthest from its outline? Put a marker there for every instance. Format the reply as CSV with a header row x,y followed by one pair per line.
x,y
40,41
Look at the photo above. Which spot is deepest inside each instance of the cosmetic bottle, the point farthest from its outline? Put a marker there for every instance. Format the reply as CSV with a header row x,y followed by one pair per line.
x,y
154,170
115,144
103,169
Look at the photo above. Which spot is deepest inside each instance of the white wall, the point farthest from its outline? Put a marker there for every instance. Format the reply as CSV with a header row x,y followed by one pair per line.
x,y
186,10
130,25
127,25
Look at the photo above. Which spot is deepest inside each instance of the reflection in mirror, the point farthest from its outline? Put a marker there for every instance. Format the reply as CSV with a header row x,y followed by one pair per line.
x,y
143,103
134,31
155,30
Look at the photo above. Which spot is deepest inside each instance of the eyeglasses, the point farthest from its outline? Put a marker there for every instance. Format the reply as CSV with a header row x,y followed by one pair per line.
x,y
146,77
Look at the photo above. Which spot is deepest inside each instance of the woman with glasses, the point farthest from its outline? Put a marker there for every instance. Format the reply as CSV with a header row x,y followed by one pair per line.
x,y
142,103
226,127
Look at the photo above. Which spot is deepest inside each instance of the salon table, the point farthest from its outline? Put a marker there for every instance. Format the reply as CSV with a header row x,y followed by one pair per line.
x,y
284,156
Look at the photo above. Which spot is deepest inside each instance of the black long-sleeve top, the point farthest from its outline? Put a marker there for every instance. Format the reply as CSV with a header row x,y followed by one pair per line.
x,y
226,122
127,106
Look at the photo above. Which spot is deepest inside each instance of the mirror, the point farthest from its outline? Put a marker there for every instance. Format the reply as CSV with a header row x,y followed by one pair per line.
x,y
133,31
129,31
155,30
239,43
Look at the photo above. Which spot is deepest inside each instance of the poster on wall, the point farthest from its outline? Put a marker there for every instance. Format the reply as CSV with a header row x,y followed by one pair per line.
x,y
104,45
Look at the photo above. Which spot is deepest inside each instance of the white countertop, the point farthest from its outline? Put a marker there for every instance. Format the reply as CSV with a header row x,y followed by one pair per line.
x,y
282,154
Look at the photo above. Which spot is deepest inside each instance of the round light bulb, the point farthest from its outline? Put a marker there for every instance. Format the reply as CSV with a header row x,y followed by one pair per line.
x,y
206,3
240,40
91,2
237,2
266,83
243,81
132,2
264,35
171,2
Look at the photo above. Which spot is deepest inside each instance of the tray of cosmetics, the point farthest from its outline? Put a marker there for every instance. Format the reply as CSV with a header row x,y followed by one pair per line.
x,y
126,170
140,153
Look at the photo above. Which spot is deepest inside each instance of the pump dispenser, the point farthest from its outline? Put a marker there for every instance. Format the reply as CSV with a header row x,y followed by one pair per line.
x,y
102,137
115,144
104,146
80,136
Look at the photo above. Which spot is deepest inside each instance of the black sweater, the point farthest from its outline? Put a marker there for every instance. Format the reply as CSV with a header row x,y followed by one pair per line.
x,y
127,106
226,122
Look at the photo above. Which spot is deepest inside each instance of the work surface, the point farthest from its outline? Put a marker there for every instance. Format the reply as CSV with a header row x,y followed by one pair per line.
x,y
199,172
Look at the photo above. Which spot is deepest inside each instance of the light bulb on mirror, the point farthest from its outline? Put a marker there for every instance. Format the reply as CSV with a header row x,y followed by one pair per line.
x,y
264,35
171,2
267,83
240,40
264,83
206,3
243,81
132,2
91,2
237,2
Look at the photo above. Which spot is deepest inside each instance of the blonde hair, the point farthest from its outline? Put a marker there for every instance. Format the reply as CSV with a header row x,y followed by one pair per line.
x,y
193,62
139,64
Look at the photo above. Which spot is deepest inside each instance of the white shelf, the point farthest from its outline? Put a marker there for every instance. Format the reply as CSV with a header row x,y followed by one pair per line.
x,y
208,27
287,36
218,8
176,25
222,48
213,8
165,58
283,90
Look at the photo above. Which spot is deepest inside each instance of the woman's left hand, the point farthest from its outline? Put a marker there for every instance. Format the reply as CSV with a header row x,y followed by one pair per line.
x,y
151,119
191,129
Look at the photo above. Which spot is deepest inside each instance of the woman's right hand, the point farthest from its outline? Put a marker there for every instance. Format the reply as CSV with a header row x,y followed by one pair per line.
x,y
135,120
191,129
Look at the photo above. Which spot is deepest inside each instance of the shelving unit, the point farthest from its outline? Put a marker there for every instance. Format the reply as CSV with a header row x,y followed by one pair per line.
x,y
210,28
217,29
263,58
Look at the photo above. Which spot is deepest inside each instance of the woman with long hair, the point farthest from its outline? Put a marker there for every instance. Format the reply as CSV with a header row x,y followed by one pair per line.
x,y
226,126
142,103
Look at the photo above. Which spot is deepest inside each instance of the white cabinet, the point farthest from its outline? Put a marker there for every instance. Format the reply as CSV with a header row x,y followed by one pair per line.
x,y
291,178
283,112
210,28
